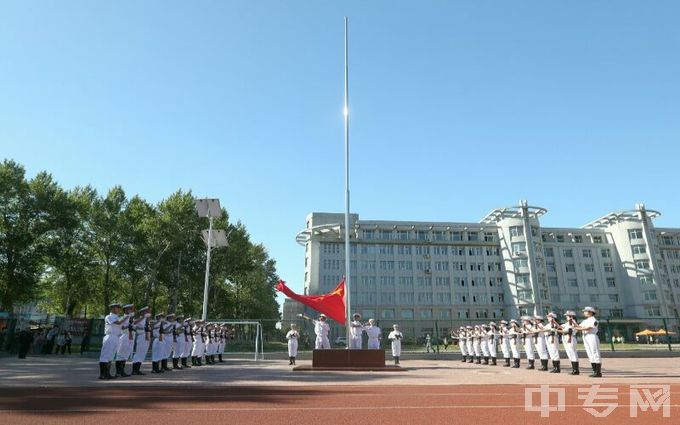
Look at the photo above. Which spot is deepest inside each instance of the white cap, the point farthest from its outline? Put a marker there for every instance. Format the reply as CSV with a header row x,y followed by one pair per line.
x,y
590,309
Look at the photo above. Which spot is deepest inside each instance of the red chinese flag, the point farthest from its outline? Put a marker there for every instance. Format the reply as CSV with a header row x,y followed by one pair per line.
x,y
331,304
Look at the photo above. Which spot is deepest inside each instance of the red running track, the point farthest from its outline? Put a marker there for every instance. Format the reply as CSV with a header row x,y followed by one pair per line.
x,y
461,404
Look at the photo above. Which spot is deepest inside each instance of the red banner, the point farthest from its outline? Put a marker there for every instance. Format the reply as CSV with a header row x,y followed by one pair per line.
x,y
331,304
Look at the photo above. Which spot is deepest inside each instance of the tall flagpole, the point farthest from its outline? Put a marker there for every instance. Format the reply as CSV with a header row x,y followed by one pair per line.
x,y
347,229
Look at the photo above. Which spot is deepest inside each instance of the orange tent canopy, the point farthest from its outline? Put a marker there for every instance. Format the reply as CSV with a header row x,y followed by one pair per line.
x,y
646,332
663,332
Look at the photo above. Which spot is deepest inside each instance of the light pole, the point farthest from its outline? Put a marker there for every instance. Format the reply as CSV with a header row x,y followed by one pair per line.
x,y
210,208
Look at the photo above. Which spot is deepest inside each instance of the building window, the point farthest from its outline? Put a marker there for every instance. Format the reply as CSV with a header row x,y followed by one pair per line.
x,y
421,235
519,247
611,283
407,313
438,235
570,267
574,298
522,279
549,252
589,268
653,312
616,313
639,249
404,249
406,298
552,281
650,295
642,264
404,235
387,313
489,237
614,298
592,283
516,231
572,283
606,253
597,239
406,281
473,236
635,234
587,253
578,238
568,253
594,298
456,236
608,267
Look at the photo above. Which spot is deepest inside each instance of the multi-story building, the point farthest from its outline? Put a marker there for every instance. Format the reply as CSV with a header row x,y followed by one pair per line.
x,y
505,266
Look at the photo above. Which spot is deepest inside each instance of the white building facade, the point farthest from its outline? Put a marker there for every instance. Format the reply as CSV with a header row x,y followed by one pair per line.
x,y
426,275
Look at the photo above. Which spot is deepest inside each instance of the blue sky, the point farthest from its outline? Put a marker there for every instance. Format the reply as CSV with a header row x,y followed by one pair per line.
x,y
456,107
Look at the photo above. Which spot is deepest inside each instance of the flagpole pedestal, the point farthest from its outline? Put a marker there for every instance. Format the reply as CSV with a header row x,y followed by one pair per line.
x,y
349,360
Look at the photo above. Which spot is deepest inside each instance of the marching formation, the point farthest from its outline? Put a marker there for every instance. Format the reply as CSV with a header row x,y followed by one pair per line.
x,y
171,338
535,335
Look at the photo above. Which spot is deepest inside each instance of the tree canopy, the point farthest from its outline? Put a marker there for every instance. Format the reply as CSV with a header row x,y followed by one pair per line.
x,y
76,251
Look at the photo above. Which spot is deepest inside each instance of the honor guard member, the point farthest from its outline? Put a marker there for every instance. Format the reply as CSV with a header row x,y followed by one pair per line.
x,y
356,330
169,340
374,333
321,330
461,340
112,331
188,342
221,342
178,337
142,340
197,350
158,345
210,344
484,342
292,336
396,336
515,334
539,340
504,340
588,328
492,336
476,334
528,333
126,340
569,340
469,343
552,341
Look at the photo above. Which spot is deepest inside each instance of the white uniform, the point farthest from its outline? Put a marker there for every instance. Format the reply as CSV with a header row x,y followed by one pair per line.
x,y
505,342
552,341
541,346
125,340
356,331
374,334
468,342
590,339
492,336
141,340
476,344
484,342
198,346
396,337
189,339
168,339
321,329
462,343
514,336
179,340
292,336
529,344
158,346
569,342
111,339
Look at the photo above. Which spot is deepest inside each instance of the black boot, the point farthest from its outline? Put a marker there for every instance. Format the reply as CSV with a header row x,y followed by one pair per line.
x,y
507,362
574,368
199,361
102,370
486,359
597,372
531,365
464,359
470,359
556,367
219,356
544,364
164,366
193,361
122,369
516,364
212,359
396,360
290,361
478,360
185,364
139,368
493,361
293,361
175,364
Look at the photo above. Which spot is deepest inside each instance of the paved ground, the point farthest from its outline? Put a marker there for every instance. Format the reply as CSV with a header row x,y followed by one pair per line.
x,y
65,391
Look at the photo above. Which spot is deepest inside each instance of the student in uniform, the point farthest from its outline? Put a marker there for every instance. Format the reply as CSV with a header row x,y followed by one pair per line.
x,y
528,333
374,333
539,340
158,345
188,342
321,329
292,336
504,340
356,329
178,337
126,340
552,341
459,338
484,342
588,328
169,338
142,340
469,343
111,339
197,348
476,344
492,335
569,340
515,334
396,336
